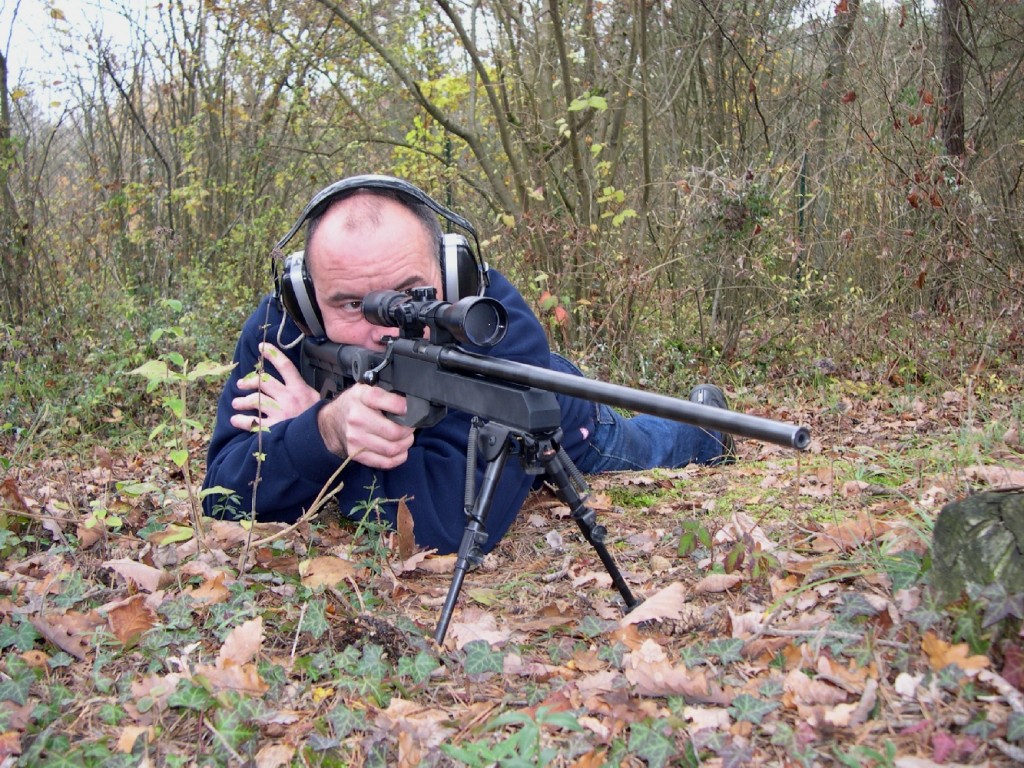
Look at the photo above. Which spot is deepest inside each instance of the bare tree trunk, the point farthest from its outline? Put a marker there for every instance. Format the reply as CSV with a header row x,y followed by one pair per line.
x,y
832,90
12,234
952,18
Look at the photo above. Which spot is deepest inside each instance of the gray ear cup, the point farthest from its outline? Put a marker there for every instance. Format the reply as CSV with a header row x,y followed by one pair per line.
x,y
460,274
295,290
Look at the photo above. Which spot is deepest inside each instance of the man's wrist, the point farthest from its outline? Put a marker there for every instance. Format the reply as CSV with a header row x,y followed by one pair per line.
x,y
332,440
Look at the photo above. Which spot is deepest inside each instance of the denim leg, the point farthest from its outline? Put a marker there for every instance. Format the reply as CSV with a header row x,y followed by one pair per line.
x,y
624,443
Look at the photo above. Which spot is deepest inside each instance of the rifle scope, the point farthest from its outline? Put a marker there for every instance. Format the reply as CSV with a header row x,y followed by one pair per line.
x,y
476,320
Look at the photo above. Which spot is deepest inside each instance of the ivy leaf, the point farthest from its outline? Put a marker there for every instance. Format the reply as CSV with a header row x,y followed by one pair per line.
x,y
65,759
315,620
481,659
419,668
1015,727
693,654
344,721
372,665
751,709
1000,604
22,636
592,626
15,685
233,728
735,755
188,695
853,605
651,744
728,649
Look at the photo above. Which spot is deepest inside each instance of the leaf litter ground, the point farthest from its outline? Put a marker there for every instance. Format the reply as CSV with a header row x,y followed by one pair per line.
x,y
787,619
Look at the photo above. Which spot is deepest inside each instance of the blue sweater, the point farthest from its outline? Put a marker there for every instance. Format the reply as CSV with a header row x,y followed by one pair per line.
x,y
297,464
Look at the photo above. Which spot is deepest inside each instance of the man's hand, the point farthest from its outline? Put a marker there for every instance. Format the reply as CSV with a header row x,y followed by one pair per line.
x,y
354,424
274,400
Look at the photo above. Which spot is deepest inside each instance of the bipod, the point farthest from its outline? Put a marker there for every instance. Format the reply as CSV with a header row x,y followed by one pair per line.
x,y
541,454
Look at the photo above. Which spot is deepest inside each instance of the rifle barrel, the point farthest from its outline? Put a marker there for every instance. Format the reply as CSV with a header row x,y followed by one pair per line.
x,y
708,417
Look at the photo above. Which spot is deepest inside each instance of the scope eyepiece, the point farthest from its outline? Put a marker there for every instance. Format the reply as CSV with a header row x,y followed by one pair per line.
x,y
477,320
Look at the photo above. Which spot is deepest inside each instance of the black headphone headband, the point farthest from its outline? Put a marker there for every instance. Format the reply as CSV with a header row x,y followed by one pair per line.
x,y
341,188
463,272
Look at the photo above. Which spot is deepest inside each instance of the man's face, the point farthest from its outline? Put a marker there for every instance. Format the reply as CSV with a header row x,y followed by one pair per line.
x,y
366,243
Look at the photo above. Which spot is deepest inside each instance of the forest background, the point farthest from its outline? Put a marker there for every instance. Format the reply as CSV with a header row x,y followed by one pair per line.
x,y
672,184
817,205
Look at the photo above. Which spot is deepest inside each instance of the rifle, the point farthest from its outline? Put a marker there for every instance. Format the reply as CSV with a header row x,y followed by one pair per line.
x,y
513,404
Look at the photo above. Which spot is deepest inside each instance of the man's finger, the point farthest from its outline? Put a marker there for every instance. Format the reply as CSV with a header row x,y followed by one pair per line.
x,y
281,362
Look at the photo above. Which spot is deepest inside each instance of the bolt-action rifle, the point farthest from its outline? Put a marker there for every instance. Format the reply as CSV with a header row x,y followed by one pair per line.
x,y
514,405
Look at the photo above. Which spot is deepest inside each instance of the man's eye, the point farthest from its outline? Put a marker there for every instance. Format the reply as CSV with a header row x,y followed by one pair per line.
x,y
355,306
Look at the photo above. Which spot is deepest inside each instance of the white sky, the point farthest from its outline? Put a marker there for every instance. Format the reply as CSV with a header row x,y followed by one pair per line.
x,y
41,48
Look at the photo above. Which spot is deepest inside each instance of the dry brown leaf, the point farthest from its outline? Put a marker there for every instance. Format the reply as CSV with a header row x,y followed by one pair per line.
x,y
145,577
476,624
242,643
211,591
130,734
130,619
514,664
235,668
64,634
36,659
243,679
599,682
419,729
666,603
717,582
274,755
11,499
326,571
941,654
849,535
743,527
715,718
406,538
156,688
996,476
802,690
652,674
10,745
425,561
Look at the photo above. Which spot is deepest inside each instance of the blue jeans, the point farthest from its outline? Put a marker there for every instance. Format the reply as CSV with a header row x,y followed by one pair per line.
x,y
625,443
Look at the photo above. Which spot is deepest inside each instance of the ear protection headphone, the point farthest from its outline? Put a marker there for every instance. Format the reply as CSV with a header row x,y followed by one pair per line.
x,y
463,273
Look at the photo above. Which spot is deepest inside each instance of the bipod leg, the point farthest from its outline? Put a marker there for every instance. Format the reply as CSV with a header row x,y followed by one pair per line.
x,y
494,446
557,466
